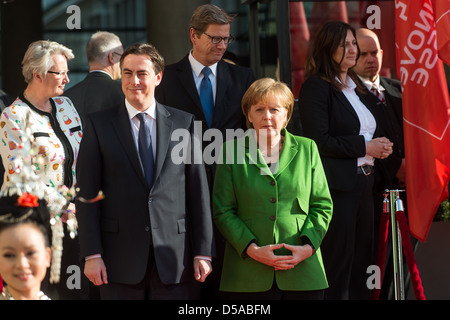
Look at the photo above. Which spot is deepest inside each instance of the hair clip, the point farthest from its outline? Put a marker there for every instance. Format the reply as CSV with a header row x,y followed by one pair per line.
x,y
28,200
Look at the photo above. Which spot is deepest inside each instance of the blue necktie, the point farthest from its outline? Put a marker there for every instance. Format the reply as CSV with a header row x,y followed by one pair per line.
x,y
206,96
145,149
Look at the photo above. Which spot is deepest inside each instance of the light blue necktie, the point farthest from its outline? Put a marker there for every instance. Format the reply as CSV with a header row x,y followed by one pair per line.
x,y
206,96
145,149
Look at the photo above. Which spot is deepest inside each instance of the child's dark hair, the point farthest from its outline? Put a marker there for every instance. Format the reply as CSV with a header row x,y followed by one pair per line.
x,y
14,212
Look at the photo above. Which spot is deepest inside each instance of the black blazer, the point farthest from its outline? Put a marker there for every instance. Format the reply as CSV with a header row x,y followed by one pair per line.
x,y
173,216
177,89
328,118
5,100
96,92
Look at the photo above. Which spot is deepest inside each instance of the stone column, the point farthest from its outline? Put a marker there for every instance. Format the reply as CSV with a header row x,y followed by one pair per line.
x,y
168,27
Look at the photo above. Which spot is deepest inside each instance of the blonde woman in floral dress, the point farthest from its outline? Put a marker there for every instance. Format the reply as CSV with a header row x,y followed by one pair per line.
x,y
52,120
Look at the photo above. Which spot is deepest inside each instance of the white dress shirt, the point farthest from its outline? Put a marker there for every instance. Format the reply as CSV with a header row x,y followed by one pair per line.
x,y
150,116
366,119
197,68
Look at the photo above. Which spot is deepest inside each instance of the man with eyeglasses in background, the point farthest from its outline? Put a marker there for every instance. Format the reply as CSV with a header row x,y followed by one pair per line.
x,y
182,84
182,81
102,86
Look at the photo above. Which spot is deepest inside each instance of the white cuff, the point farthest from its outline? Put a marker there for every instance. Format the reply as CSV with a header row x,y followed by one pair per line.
x,y
203,257
93,257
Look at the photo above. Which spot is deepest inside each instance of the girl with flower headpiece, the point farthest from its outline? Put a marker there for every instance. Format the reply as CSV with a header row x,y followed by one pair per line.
x,y
24,246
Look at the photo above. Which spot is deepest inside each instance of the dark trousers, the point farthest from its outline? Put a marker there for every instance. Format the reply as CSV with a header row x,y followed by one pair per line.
x,y
348,245
151,288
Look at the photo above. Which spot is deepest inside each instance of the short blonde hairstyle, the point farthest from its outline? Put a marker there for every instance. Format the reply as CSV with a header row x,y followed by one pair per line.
x,y
265,88
38,58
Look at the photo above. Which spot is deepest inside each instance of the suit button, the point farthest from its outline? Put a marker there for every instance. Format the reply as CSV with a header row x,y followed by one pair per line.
x,y
273,200
147,229
272,182
150,200
272,218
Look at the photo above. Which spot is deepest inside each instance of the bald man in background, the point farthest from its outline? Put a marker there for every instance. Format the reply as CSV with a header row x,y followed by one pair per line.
x,y
387,108
388,105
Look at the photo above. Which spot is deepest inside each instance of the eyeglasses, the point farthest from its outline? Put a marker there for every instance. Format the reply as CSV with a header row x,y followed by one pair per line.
x,y
61,74
119,54
217,39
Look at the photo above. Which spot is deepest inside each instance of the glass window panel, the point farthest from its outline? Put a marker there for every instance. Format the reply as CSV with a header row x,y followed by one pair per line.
x,y
126,18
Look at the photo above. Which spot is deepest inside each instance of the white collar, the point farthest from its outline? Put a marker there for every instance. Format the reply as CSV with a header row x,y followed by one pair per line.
x,y
132,111
369,83
349,83
197,67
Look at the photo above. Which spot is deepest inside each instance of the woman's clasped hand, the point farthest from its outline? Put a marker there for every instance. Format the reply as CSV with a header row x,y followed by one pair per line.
x,y
266,255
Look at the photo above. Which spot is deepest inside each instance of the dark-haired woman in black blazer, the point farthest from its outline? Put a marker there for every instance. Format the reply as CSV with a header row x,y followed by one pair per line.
x,y
334,114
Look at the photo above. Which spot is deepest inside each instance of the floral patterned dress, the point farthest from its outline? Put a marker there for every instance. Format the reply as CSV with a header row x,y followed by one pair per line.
x,y
57,135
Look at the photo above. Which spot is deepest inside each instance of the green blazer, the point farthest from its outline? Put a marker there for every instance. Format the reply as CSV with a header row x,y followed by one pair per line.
x,y
289,206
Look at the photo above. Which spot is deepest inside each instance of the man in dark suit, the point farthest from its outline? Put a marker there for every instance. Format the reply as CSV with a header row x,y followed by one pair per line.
x,y
386,105
152,233
101,88
209,32
180,87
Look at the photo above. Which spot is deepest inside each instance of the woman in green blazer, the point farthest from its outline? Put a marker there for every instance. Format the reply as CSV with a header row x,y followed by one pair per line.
x,y
272,203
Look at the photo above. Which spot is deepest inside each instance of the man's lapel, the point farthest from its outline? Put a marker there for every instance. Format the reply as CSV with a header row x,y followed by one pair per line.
x,y
223,81
163,133
187,81
122,126
222,85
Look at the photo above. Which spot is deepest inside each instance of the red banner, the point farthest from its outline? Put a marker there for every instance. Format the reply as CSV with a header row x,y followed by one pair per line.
x,y
426,110
322,12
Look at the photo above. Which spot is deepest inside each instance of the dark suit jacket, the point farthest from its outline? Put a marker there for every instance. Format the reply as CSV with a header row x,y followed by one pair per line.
x,y
328,118
177,89
96,92
389,118
173,216
5,100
